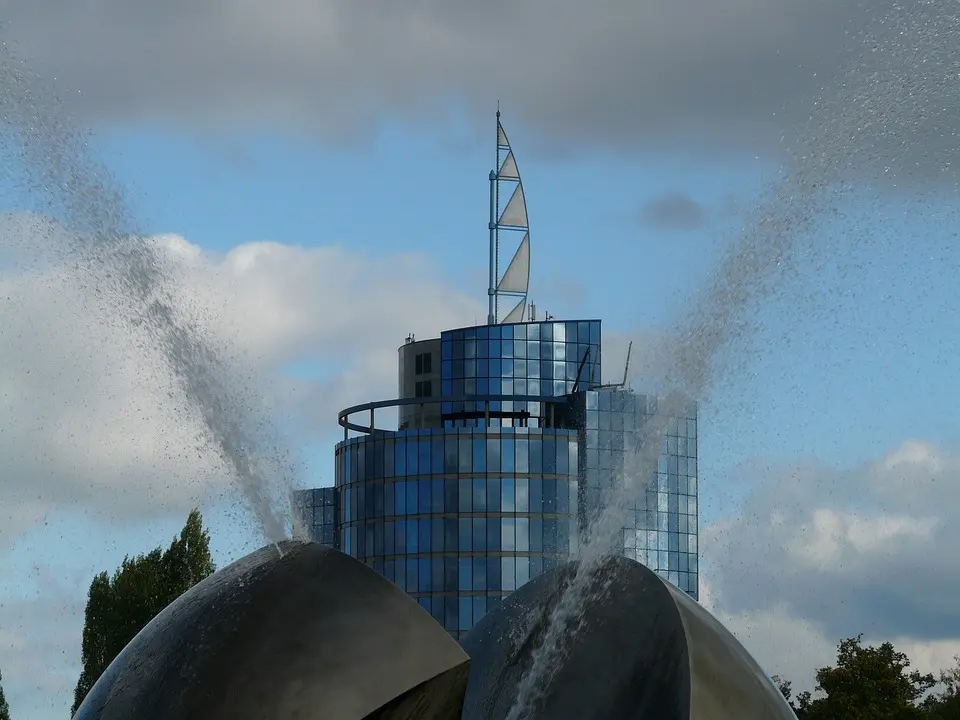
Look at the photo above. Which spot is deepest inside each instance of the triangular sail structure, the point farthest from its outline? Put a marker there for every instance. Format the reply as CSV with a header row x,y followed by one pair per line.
x,y
516,315
508,222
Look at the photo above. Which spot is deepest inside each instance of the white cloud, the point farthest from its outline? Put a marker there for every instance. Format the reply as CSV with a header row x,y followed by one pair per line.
x,y
89,411
816,554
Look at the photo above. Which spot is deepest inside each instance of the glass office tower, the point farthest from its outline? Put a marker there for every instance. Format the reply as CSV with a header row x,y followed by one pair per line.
x,y
505,443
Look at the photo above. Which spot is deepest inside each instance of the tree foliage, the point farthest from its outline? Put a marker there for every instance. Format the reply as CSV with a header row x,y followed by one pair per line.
x,y
945,704
121,605
867,683
4,708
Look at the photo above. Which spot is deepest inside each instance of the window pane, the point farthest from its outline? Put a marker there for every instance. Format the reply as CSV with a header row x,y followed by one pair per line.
x,y
413,448
493,534
523,495
424,488
523,534
479,455
466,534
466,454
508,573
479,495
507,495
412,536
507,463
466,613
479,573
400,497
523,571
493,495
523,461
411,496
493,454
536,457
508,534
479,534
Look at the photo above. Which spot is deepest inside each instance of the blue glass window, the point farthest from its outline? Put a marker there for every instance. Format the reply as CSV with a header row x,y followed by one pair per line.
x,y
465,454
493,454
479,573
507,495
508,534
507,462
479,535
466,612
411,486
508,573
413,451
536,457
465,582
466,534
523,456
465,503
493,573
523,534
412,537
493,534
493,495
400,535
479,455
522,495
479,494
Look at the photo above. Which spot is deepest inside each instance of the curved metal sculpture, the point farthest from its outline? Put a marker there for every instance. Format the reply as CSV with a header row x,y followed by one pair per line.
x,y
644,650
299,630
296,630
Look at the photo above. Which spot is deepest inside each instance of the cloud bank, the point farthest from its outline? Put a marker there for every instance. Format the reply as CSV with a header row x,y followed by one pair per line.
x,y
815,554
614,74
91,415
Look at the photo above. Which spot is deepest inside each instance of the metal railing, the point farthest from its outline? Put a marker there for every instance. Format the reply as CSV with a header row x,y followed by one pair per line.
x,y
551,401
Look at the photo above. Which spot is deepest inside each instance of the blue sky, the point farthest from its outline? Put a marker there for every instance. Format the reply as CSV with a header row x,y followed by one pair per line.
x,y
814,387
850,361
594,256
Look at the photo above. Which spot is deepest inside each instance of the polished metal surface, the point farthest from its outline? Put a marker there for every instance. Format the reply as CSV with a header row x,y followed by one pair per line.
x,y
725,681
645,650
628,660
291,631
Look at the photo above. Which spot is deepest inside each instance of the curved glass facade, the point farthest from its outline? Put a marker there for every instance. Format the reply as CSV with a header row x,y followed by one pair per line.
x,y
540,359
473,496
459,518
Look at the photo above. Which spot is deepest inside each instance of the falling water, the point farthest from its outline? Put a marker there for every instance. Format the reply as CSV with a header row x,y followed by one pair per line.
x,y
899,92
131,274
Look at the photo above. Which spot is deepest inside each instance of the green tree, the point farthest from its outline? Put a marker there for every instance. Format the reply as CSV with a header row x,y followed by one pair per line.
x,y
786,689
868,683
120,606
945,704
4,708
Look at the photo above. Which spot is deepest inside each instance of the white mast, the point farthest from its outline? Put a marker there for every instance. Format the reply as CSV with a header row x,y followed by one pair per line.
x,y
512,220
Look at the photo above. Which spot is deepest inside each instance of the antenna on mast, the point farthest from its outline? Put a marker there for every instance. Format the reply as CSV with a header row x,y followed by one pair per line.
x,y
512,218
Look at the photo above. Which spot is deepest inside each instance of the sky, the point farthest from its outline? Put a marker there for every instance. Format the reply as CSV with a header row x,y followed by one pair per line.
x,y
316,175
